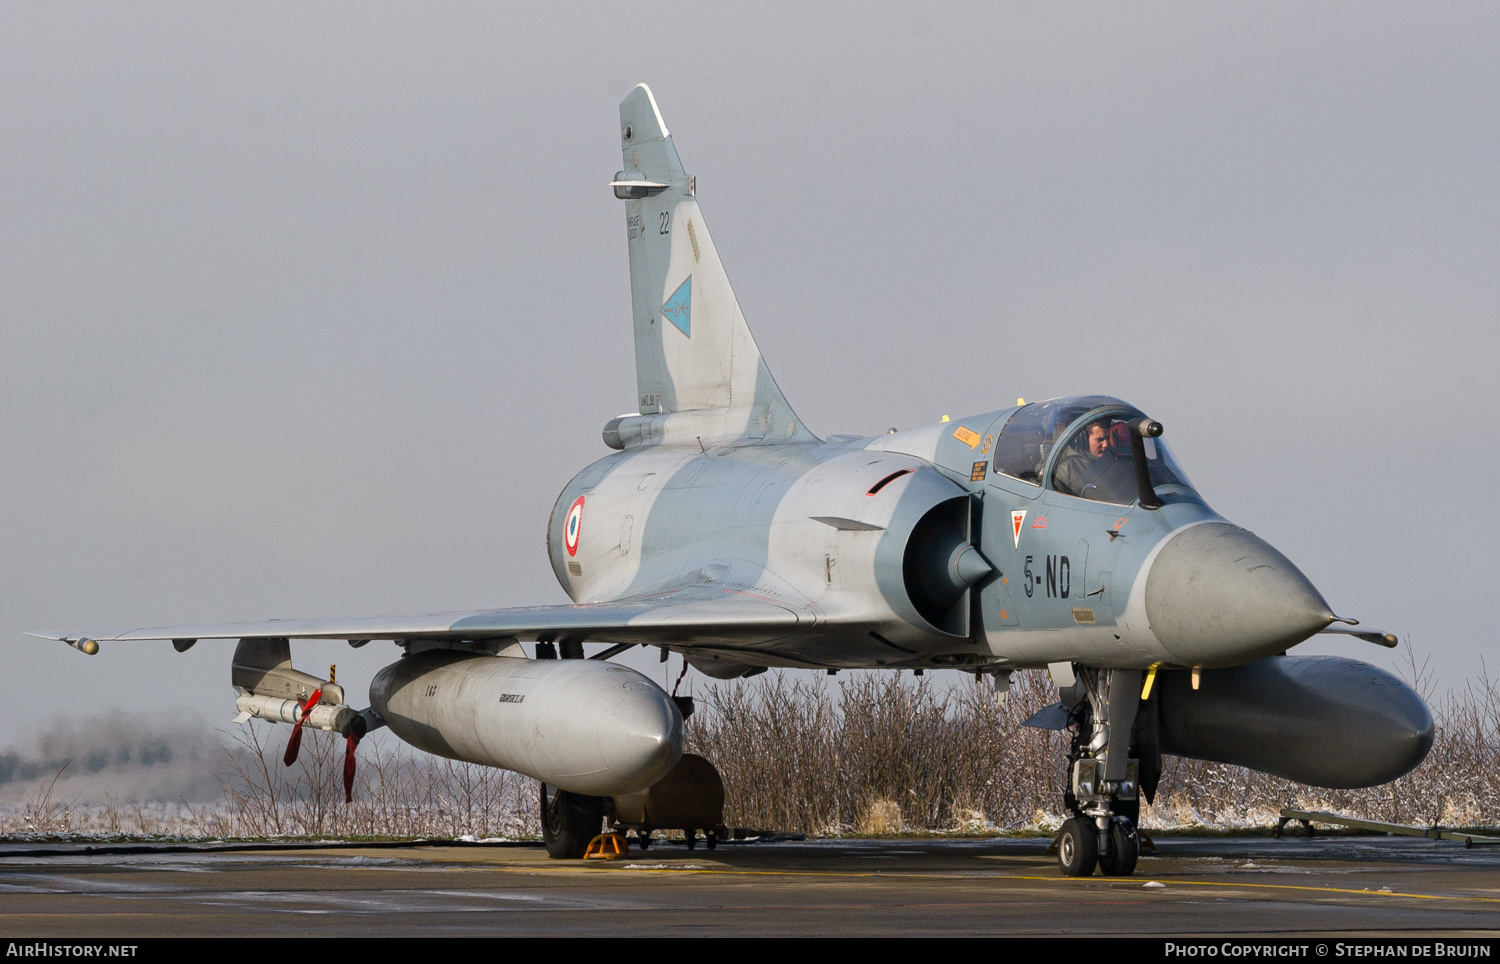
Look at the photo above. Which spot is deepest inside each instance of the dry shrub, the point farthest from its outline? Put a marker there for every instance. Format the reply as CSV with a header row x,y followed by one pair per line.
x,y
878,817
397,792
796,756
773,747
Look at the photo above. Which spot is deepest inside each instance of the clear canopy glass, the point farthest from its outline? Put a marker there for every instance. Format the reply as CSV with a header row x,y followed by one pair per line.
x,y
1086,442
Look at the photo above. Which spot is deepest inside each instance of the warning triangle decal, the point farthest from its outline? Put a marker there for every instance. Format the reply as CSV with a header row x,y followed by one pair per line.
x,y
1017,516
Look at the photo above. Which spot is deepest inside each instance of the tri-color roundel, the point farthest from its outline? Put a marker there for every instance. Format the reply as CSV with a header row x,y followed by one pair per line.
x,y
572,526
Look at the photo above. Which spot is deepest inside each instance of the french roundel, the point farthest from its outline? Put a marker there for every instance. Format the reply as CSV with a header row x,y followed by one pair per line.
x,y
572,526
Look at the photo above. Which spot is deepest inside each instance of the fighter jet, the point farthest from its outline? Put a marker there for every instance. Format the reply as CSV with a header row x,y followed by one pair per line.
x,y
1058,535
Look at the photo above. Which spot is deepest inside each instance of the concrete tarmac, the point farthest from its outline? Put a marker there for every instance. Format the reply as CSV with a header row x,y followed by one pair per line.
x,y
1328,886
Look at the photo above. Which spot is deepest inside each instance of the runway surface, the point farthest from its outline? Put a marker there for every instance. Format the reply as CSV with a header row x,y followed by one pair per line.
x,y
1243,886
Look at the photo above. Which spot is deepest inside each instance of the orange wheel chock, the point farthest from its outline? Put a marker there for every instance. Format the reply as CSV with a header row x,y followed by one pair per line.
x,y
607,846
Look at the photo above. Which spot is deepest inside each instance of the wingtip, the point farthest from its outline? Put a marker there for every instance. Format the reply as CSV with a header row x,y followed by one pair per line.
x,y
83,644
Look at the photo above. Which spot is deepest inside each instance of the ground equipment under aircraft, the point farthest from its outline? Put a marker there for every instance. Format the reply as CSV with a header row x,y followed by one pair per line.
x,y
1060,534
690,799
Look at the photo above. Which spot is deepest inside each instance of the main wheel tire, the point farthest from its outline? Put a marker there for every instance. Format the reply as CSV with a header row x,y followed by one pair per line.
x,y
569,822
1124,850
1077,848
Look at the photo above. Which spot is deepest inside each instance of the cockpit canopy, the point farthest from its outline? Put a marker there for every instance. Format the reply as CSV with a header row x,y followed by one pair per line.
x,y
1081,446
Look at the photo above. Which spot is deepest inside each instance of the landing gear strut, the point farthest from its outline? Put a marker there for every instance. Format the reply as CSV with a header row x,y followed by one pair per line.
x,y
1104,783
569,822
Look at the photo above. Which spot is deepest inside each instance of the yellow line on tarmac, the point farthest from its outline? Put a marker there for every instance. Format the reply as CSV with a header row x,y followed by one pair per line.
x,y
1067,881
1321,890
1062,880
1116,883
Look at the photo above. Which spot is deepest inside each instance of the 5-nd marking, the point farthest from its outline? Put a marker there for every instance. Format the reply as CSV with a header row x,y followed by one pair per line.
x,y
1059,577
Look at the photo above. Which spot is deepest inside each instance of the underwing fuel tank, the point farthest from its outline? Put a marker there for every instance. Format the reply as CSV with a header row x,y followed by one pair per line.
x,y
587,726
1321,720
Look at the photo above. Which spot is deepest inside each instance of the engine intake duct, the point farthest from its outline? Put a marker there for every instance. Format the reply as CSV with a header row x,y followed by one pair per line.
x,y
1321,720
940,565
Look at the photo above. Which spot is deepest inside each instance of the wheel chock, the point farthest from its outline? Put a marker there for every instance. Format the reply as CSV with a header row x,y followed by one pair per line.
x,y
607,846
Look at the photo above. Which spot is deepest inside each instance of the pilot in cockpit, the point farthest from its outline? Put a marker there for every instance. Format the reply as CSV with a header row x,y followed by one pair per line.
x,y
1090,456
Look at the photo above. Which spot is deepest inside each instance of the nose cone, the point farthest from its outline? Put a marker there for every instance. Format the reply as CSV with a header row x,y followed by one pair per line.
x,y
1217,594
640,736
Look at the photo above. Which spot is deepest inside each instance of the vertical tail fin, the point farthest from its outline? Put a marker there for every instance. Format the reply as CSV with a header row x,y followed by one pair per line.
x,y
693,351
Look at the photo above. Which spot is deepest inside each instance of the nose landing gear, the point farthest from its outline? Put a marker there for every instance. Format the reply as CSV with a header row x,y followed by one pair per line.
x,y
1104,786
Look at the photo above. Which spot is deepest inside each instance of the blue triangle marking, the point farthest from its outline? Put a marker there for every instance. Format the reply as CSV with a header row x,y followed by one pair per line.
x,y
679,308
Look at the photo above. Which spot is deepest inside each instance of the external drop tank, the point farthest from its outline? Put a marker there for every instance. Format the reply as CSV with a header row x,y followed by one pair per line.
x,y
583,725
1321,720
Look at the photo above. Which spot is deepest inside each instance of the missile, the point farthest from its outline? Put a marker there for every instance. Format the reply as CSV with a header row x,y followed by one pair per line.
x,y
582,725
332,717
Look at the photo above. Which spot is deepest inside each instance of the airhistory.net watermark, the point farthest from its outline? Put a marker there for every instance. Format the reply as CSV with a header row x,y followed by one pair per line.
x,y
49,949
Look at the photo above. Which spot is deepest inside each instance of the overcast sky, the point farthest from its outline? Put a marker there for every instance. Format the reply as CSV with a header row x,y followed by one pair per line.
x,y
313,309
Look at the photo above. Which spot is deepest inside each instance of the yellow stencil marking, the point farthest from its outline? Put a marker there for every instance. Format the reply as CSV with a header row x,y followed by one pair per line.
x,y
966,436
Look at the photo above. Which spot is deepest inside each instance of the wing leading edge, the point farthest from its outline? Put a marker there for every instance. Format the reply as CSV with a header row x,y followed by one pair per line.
x,y
696,616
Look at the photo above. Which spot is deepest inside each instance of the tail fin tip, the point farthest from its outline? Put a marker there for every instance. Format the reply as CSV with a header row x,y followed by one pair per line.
x,y
694,352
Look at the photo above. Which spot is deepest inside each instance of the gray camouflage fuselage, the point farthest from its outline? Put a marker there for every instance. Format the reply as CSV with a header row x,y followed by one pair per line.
x,y
794,523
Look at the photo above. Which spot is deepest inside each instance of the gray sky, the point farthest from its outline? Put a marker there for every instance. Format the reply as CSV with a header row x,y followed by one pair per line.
x,y
313,309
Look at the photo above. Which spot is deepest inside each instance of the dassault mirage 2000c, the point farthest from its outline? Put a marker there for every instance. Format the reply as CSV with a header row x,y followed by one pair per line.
x,y
1058,535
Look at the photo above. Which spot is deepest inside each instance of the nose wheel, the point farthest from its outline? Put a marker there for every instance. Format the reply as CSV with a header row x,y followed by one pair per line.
x,y
1077,848
1124,849
1081,848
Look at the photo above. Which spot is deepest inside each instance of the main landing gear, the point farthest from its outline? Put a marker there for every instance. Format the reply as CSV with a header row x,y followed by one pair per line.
x,y
569,822
1104,782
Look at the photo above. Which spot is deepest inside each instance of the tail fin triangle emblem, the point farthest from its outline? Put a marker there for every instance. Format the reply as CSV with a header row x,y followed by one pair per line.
x,y
679,308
